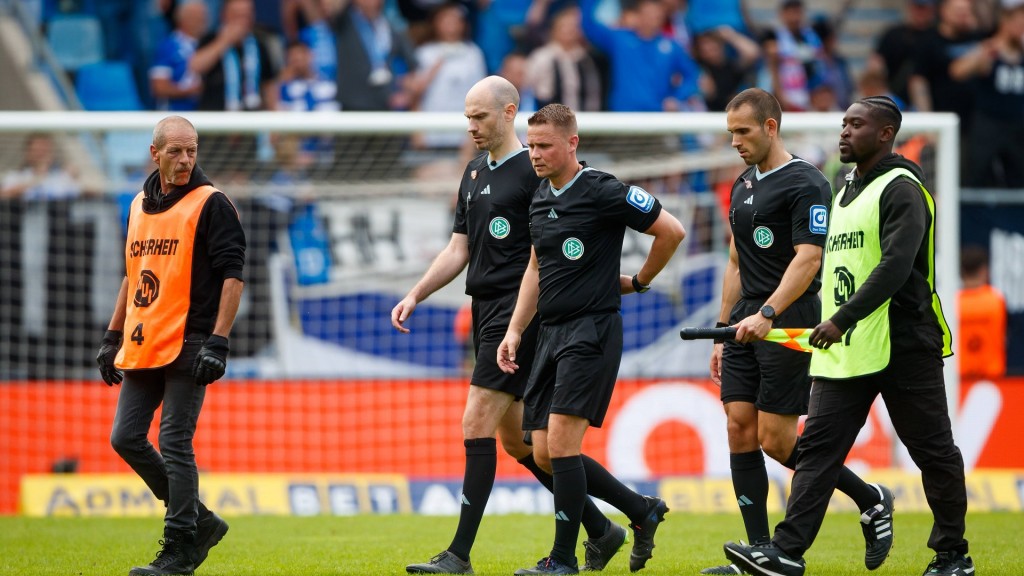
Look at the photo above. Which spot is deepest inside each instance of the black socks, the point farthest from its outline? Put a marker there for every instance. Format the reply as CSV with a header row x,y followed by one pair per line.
x,y
750,483
594,522
570,489
481,462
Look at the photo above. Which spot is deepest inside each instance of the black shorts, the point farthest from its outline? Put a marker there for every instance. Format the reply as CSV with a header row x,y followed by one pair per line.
x,y
772,377
574,371
490,322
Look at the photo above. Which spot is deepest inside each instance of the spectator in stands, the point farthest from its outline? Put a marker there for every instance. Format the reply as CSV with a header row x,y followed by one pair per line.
x,y
373,59
650,72
306,21
174,86
501,26
823,98
982,349
41,176
873,82
513,69
723,76
675,23
417,15
931,88
834,70
792,52
995,71
449,65
894,52
303,87
563,70
235,63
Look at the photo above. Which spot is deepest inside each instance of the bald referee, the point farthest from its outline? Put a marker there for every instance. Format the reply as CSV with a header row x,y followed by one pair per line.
x,y
492,235
882,333
778,216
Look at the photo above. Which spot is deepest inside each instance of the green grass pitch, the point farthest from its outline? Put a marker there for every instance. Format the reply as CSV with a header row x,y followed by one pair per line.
x,y
370,545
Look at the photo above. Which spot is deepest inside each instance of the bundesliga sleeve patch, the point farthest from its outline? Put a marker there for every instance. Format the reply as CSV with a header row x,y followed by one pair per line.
x,y
819,219
640,199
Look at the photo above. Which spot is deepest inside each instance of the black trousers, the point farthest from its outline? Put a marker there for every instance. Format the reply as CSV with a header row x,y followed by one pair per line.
x,y
170,473
915,396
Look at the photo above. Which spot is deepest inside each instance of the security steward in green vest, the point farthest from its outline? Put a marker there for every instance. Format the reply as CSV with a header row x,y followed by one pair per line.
x,y
883,333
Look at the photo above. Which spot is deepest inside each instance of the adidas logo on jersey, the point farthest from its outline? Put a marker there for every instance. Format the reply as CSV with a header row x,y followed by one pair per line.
x,y
486,190
749,200
552,214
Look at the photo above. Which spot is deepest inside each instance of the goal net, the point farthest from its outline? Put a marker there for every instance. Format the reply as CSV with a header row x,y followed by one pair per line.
x,y
343,213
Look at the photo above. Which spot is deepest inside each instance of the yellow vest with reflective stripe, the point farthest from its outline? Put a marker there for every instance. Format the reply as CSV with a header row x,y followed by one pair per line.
x,y
852,252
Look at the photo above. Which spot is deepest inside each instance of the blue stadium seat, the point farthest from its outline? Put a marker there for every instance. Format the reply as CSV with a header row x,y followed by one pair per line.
x,y
107,86
75,40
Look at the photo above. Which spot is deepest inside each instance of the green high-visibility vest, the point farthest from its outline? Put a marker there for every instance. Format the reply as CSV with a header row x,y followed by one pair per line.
x,y
852,252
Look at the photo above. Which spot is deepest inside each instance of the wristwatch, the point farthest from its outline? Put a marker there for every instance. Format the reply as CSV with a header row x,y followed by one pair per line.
x,y
768,312
640,288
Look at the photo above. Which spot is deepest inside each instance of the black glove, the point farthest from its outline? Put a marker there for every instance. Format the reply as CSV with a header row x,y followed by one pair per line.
x,y
211,360
109,346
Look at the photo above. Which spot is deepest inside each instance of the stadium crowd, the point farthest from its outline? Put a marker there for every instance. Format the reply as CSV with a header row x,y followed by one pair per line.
x,y
617,55
960,56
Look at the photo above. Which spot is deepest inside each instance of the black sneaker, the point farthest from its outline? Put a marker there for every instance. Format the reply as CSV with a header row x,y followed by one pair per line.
x,y
950,564
548,566
643,533
600,550
877,525
209,531
176,557
443,563
764,559
726,569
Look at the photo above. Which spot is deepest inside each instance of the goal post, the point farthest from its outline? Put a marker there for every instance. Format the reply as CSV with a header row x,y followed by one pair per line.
x,y
629,128
343,214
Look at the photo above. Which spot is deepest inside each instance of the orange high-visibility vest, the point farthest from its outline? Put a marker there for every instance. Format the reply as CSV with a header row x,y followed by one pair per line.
x,y
158,261
982,332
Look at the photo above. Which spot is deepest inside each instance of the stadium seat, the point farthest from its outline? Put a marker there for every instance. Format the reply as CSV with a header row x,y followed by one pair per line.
x,y
75,40
107,86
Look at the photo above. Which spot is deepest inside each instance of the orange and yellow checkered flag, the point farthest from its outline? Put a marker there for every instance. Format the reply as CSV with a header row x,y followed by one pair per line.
x,y
792,338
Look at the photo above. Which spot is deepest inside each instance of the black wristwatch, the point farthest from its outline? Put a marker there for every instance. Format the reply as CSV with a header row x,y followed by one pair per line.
x,y
640,288
768,312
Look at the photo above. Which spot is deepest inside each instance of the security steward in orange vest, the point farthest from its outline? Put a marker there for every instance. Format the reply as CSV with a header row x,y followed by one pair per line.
x,y
982,318
183,257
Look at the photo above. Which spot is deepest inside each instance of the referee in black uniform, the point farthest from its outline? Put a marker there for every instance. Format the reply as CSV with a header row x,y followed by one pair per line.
x,y
577,222
491,235
779,216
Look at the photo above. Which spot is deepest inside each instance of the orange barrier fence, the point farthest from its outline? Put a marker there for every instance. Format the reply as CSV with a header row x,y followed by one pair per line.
x,y
654,428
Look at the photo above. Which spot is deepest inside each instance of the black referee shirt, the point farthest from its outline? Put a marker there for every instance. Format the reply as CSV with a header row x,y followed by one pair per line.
x,y
577,232
493,210
772,212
